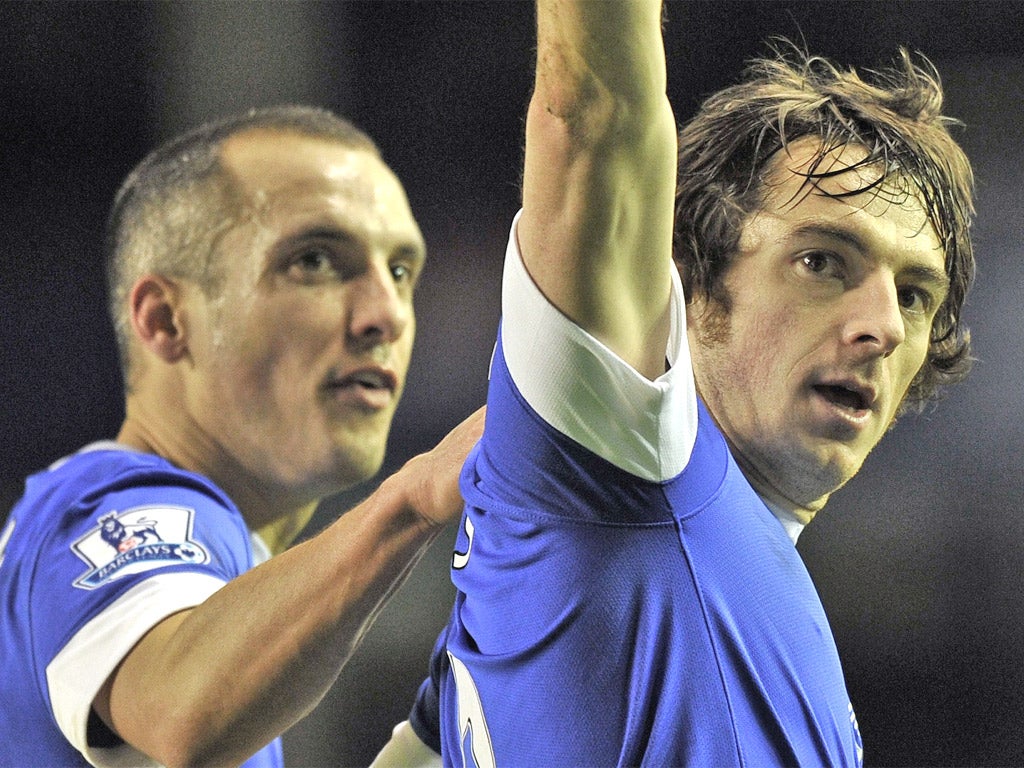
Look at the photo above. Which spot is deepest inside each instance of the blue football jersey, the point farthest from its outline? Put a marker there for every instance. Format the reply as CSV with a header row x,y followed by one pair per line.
x,y
614,606
101,547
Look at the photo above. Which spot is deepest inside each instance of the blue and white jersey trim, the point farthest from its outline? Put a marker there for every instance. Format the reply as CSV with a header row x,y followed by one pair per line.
x,y
590,394
77,673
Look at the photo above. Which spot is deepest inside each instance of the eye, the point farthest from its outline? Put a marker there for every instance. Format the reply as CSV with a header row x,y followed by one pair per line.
x,y
914,300
406,265
309,264
401,272
825,264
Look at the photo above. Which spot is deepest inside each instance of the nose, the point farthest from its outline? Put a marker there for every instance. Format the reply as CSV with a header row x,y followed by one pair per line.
x,y
378,311
875,322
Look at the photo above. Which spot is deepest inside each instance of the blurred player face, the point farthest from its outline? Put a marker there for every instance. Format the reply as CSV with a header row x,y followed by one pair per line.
x,y
832,307
300,361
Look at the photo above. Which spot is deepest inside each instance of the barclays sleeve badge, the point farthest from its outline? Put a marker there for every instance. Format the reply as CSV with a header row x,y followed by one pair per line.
x,y
135,541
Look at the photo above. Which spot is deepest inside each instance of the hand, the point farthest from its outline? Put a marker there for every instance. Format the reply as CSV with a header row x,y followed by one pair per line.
x,y
432,478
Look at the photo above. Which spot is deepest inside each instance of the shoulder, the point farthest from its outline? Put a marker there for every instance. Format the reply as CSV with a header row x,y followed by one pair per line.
x,y
119,511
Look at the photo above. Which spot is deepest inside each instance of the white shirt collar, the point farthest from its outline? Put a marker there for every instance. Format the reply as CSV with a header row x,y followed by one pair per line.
x,y
789,521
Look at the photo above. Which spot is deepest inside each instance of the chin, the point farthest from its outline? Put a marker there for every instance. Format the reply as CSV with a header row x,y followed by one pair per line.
x,y
815,474
838,473
359,466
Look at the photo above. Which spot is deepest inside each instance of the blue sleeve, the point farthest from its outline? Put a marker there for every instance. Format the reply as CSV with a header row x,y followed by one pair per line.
x,y
120,533
100,547
425,715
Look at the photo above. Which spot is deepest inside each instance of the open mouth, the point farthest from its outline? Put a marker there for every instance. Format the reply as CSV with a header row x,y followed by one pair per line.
x,y
844,397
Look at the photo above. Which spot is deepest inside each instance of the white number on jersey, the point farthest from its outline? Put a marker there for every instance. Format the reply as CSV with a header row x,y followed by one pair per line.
x,y
5,536
474,737
461,559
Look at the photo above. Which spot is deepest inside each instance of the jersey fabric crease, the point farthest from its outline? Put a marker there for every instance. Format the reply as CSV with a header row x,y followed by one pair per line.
x,y
622,598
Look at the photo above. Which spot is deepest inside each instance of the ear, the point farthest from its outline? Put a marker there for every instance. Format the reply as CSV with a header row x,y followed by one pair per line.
x,y
157,317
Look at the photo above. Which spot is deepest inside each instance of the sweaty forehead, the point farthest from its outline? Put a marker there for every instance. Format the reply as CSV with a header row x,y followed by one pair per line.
x,y
801,174
288,184
267,163
835,172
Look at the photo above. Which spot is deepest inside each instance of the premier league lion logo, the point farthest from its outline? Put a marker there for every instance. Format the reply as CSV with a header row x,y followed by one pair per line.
x,y
121,538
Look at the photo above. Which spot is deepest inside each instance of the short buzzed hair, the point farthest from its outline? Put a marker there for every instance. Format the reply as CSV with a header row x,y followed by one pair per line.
x,y
174,206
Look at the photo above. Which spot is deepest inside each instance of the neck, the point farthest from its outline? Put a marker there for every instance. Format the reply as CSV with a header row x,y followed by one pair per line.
x,y
280,533
276,514
801,511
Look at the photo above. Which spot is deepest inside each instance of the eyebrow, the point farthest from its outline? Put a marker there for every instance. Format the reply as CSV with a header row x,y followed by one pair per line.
x,y
937,278
408,247
323,232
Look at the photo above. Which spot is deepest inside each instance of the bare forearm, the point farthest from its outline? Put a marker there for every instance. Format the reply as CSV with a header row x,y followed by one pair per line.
x,y
214,684
235,672
590,46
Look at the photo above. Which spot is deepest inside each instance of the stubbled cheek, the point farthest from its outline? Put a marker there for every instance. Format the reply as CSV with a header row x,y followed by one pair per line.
x,y
916,359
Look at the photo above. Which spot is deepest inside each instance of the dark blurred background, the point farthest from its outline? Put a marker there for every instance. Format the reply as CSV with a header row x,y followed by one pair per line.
x,y
918,560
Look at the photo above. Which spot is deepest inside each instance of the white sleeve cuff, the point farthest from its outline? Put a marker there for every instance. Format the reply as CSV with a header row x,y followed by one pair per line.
x,y
587,392
405,750
77,673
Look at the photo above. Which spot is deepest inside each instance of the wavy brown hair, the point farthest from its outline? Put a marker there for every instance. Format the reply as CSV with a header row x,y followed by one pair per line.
x,y
894,113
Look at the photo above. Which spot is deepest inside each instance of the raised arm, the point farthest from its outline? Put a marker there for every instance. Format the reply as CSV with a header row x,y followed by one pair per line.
x,y
599,175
